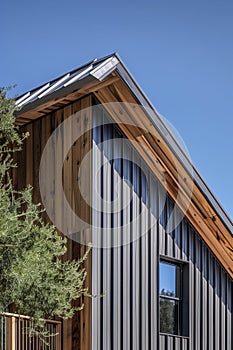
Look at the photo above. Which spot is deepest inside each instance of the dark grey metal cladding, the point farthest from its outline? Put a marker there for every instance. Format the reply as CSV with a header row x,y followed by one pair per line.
x,y
97,70
128,316
159,124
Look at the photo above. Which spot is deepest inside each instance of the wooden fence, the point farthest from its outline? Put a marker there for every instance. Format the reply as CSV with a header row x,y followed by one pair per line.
x,y
15,334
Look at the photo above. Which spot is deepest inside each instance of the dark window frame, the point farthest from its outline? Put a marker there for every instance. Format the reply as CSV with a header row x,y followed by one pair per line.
x,y
181,300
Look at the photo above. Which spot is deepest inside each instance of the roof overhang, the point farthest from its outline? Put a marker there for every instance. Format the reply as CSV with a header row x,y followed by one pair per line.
x,y
110,81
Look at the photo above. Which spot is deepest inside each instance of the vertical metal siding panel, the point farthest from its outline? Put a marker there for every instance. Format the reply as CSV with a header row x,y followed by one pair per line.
x,y
204,308
191,288
217,326
211,302
126,297
223,310
154,331
117,302
197,293
144,293
177,245
107,316
184,240
135,267
117,299
162,234
127,272
126,257
135,295
144,277
96,302
161,240
229,318
96,252
169,230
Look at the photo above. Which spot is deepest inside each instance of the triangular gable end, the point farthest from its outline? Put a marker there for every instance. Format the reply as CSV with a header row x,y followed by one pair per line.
x,y
110,81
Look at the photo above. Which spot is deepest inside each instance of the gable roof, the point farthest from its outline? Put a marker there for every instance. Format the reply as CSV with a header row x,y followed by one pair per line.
x,y
96,69
110,80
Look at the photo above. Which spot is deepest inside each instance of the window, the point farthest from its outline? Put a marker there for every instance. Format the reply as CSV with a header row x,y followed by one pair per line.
x,y
173,298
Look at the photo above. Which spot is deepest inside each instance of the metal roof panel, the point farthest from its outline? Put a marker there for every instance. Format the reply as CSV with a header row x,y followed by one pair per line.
x,y
98,69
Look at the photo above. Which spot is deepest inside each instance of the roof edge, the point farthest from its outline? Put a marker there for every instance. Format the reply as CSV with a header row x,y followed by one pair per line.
x,y
158,122
102,68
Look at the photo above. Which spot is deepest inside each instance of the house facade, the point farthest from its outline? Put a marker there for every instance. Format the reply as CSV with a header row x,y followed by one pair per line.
x,y
109,171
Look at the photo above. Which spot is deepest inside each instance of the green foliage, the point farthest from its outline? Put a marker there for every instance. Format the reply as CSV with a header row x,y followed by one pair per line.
x,y
167,313
32,275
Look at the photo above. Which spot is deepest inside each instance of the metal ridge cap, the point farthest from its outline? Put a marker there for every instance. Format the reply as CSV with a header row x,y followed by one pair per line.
x,y
98,69
71,72
101,65
103,69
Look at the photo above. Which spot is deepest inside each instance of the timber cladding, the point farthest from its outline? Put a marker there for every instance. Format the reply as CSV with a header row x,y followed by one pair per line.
x,y
128,316
76,332
201,213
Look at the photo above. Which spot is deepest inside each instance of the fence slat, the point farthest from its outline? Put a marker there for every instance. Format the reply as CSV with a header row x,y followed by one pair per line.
x,y
15,335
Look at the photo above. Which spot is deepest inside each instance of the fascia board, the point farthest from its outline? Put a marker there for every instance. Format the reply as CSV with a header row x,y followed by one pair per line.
x,y
157,122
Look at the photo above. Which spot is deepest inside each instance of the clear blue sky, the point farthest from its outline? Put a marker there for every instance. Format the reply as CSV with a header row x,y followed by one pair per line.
x,y
167,278
180,52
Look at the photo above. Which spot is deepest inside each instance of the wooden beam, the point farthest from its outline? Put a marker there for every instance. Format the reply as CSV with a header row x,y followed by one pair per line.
x,y
166,168
46,107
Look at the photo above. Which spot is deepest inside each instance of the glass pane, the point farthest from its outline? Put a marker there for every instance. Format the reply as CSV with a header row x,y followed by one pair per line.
x,y
167,279
168,316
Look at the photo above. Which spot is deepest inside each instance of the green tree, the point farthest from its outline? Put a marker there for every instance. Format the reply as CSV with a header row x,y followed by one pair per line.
x,y
167,313
32,275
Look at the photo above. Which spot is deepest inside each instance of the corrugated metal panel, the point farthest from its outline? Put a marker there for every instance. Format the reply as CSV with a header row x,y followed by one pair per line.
x,y
97,67
100,69
96,253
127,317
